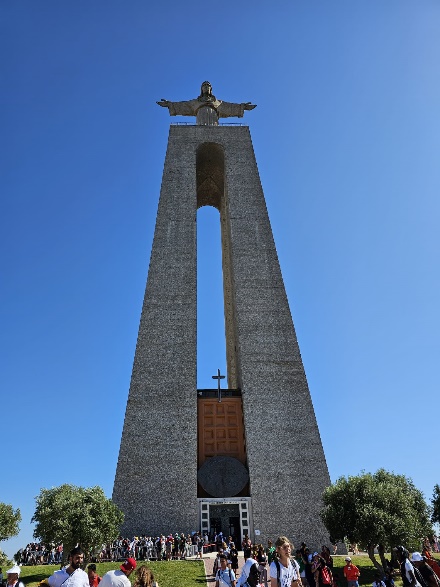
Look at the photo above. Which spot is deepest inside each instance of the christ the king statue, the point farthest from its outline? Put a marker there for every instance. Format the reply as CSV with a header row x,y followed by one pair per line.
x,y
206,108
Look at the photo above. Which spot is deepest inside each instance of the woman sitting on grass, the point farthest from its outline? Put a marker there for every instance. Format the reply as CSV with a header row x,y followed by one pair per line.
x,y
144,578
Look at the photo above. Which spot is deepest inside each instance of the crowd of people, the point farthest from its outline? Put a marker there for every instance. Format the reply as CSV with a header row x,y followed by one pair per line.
x,y
276,565
177,546
37,553
163,547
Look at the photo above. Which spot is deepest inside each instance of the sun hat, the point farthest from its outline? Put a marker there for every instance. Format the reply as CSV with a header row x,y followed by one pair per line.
x,y
15,570
416,556
129,565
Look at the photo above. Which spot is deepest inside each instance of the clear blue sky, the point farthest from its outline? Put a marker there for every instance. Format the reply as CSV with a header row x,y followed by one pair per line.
x,y
347,139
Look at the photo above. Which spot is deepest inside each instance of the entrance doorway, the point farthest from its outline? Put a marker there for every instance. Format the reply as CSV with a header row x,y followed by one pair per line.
x,y
225,518
232,517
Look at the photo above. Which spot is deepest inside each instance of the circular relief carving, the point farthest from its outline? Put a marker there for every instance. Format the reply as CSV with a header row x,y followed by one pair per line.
x,y
222,476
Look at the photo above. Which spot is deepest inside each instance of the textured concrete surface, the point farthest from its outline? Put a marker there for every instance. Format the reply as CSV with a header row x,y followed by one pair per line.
x,y
156,478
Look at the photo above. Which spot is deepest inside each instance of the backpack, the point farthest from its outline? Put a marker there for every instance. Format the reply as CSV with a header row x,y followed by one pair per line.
x,y
277,564
326,576
418,575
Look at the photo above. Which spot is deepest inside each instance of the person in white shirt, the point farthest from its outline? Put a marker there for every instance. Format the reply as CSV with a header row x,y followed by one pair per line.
x,y
225,576
13,577
283,571
119,578
254,577
72,575
250,562
406,569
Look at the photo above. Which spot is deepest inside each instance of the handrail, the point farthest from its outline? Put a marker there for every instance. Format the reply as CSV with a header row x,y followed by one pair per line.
x,y
219,124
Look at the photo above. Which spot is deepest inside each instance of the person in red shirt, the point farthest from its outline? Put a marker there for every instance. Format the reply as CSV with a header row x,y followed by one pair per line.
x,y
94,578
351,573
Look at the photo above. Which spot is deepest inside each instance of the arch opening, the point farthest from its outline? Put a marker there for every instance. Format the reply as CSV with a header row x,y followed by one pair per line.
x,y
211,338
210,175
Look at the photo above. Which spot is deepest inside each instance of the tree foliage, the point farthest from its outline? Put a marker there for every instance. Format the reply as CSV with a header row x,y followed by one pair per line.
x,y
435,502
4,561
9,520
380,509
76,515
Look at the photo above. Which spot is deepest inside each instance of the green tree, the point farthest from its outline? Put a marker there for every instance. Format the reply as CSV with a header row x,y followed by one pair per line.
x,y
9,520
76,515
435,502
380,509
4,561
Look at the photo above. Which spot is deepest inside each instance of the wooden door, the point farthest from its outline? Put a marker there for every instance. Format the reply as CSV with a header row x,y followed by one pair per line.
x,y
220,429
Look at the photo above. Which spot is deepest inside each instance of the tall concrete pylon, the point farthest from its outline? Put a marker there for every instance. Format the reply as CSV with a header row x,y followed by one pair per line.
x,y
251,461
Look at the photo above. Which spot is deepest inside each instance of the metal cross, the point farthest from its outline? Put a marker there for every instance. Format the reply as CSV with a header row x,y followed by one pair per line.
x,y
218,377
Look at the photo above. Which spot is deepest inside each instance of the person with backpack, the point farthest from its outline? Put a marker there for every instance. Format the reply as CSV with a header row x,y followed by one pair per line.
x,y
407,571
224,576
428,575
253,579
262,562
307,559
216,565
283,571
245,571
321,571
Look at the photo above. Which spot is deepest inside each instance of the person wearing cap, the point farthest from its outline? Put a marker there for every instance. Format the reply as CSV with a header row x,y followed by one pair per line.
x,y
351,573
72,575
119,578
13,577
425,570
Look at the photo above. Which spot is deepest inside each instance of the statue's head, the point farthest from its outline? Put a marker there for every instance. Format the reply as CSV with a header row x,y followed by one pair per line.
x,y
206,90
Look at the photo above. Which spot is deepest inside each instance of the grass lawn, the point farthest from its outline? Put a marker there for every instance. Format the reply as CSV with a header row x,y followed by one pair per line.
x,y
366,568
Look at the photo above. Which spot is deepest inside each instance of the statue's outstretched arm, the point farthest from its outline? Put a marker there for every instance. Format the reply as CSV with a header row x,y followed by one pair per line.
x,y
226,109
186,108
